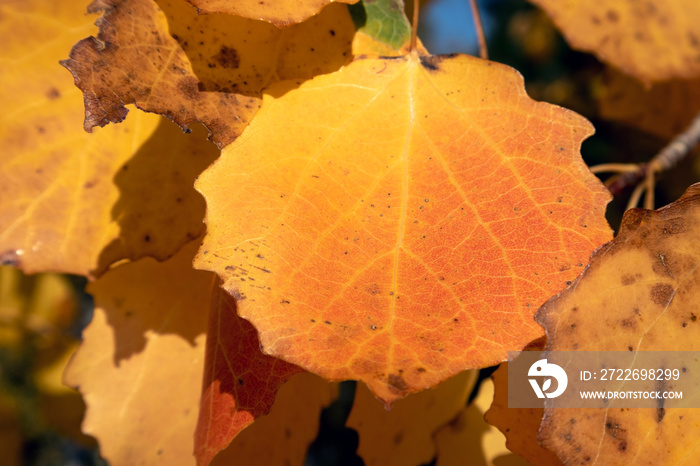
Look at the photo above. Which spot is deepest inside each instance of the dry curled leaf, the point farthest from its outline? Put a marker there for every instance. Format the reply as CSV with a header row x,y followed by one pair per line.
x,y
403,436
649,40
409,210
665,109
639,293
279,12
164,58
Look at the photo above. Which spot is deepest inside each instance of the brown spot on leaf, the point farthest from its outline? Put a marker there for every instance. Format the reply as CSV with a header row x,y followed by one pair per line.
x,y
661,294
227,57
397,384
627,279
53,94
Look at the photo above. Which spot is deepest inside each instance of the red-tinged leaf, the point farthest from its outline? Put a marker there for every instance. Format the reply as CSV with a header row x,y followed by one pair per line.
x,y
400,220
284,435
240,383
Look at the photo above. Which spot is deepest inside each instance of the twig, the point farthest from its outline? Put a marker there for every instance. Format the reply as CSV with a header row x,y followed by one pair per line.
x,y
643,176
414,28
483,51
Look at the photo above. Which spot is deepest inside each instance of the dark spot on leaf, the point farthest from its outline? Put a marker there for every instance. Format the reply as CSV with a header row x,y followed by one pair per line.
x,y
53,94
397,384
227,57
627,279
431,62
661,294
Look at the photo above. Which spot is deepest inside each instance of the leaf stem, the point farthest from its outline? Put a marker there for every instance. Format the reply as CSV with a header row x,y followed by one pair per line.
x,y
483,51
414,28
643,176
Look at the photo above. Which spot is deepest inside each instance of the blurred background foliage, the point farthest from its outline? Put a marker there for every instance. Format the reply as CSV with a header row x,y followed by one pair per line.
x,y
41,316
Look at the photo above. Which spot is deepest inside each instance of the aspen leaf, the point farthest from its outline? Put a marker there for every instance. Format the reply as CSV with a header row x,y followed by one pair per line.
x,y
648,40
388,221
665,109
468,439
403,436
639,293
164,58
519,425
384,21
240,383
71,201
139,367
279,13
284,435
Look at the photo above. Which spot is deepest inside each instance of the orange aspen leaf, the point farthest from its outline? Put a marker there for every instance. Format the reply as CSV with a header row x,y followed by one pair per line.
x,y
404,435
281,13
639,293
164,58
387,222
648,40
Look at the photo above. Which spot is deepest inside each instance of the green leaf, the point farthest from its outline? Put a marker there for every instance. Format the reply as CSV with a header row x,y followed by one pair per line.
x,y
383,20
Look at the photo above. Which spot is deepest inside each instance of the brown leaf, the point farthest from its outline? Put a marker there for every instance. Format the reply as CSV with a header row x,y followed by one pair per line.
x,y
283,436
639,293
665,109
164,58
411,208
278,12
403,436
648,40
240,383
140,365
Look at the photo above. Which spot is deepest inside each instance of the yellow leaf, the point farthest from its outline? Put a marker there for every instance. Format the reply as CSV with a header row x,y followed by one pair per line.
x,y
140,365
71,201
519,425
403,436
639,293
279,12
468,439
648,40
384,223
